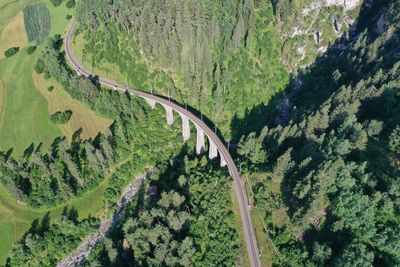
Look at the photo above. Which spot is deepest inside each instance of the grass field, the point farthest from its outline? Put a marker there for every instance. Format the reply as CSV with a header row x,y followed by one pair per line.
x,y
82,116
25,106
37,22
13,34
25,119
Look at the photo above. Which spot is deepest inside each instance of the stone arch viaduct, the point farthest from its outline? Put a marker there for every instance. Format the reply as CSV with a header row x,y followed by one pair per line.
x,y
216,145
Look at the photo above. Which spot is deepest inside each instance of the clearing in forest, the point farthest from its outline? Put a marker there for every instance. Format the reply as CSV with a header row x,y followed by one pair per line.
x,y
37,22
82,116
13,34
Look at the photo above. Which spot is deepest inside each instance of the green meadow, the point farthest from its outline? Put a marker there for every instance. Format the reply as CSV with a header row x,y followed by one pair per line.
x,y
25,107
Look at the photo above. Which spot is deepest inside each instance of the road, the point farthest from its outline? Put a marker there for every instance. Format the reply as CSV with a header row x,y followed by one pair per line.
x,y
244,207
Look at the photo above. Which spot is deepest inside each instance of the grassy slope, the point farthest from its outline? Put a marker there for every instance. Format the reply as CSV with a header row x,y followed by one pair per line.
x,y
24,113
13,34
24,119
106,69
82,117
16,218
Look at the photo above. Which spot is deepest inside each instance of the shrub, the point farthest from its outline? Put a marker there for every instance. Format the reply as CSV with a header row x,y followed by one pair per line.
x,y
11,51
40,66
31,49
68,17
61,117
56,2
47,75
70,3
50,88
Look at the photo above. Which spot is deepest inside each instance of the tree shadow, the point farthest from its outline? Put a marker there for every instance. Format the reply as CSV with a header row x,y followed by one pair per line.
x,y
255,118
29,150
318,82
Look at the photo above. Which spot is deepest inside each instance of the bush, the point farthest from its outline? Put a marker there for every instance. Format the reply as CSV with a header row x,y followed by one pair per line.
x,y
50,88
31,49
47,75
68,17
61,117
11,51
56,2
40,66
70,3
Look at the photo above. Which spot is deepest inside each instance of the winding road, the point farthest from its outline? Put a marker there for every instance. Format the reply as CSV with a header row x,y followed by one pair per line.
x,y
241,195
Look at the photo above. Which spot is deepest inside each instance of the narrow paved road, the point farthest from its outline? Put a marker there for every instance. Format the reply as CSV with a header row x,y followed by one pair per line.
x,y
241,195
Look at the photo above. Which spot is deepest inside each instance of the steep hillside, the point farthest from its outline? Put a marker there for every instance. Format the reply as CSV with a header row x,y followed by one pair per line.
x,y
221,57
326,181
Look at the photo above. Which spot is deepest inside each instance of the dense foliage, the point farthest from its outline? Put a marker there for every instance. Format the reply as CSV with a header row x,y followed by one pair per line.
x,y
69,169
11,51
183,224
37,22
326,181
56,3
70,3
61,117
31,49
47,243
219,56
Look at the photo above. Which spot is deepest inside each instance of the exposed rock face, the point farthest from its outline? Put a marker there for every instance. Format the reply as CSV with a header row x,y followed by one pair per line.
x,y
316,25
347,4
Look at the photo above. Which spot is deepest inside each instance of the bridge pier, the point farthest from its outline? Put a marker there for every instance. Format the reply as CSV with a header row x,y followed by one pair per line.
x,y
213,150
223,162
169,114
185,127
151,102
200,143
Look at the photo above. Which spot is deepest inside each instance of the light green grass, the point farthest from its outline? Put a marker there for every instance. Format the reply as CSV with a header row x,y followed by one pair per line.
x,y
25,119
16,218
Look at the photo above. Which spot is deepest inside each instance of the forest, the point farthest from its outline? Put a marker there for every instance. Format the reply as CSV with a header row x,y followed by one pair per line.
x,y
69,169
46,243
183,224
317,134
332,167
221,57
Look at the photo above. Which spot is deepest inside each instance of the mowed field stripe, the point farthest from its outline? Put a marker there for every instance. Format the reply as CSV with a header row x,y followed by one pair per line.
x,y
13,34
82,116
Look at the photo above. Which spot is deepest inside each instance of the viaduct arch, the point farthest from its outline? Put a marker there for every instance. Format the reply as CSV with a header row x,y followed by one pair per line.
x,y
216,145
